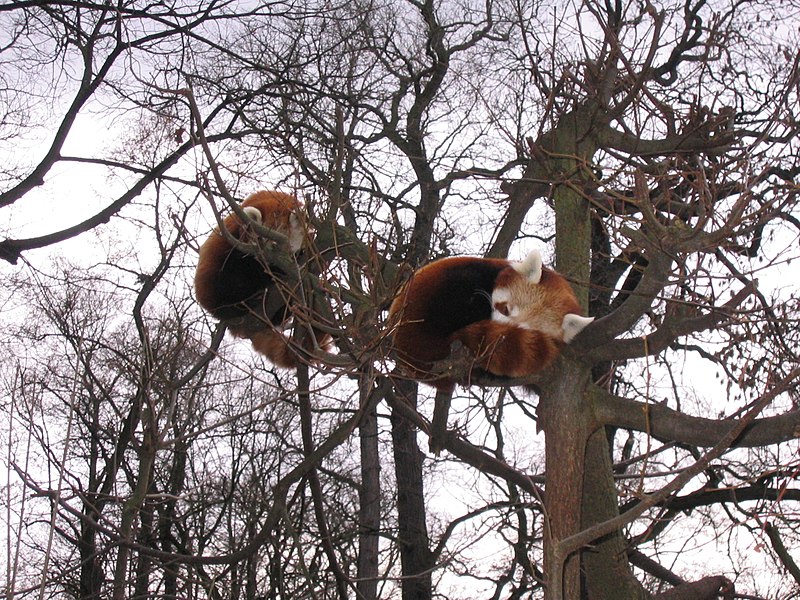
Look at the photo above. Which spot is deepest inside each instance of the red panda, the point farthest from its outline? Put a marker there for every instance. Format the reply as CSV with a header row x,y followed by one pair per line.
x,y
235,286
514,317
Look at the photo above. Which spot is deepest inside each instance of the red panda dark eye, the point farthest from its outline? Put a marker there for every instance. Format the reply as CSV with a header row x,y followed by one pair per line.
x,y
502,308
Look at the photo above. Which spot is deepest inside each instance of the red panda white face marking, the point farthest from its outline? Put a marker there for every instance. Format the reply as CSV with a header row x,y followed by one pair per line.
x,y
530,303
503,310
526,305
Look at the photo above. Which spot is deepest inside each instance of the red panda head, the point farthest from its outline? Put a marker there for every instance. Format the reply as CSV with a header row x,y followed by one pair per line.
x,y
279,212
529,296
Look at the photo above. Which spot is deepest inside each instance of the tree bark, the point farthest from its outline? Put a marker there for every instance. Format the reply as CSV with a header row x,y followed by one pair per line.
x,y
563,410
708,588
607,573
562,416
369,515
92,576
415,555
578,466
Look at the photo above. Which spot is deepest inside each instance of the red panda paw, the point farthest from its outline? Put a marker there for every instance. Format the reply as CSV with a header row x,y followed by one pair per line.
x,y
275,347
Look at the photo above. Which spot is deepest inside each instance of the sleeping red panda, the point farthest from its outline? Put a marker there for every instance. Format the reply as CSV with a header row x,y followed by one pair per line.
x,y
514,317
238,290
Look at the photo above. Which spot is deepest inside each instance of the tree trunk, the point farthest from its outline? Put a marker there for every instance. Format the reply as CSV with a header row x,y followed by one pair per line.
x,y
92,576
563,417
579,474
578,465
415,554
564,413
143,561
369,515
606,572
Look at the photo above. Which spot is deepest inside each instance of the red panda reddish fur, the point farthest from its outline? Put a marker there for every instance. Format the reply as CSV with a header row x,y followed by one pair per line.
x,y
234,286
514,317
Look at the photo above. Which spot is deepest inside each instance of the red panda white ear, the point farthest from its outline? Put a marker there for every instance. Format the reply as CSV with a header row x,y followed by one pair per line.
x,y
573,324
253,213
530,267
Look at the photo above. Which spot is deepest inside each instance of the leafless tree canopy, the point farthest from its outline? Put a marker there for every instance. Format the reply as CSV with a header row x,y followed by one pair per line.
x,y
650,150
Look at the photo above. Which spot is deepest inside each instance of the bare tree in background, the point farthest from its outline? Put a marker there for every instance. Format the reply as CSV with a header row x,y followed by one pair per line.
x,y
650,149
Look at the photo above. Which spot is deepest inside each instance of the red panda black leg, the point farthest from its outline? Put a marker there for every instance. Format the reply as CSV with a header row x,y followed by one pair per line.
x,y
441,411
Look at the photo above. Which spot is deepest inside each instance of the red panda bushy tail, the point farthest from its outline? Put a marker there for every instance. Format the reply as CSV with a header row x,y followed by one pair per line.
x,y
506,350
275,347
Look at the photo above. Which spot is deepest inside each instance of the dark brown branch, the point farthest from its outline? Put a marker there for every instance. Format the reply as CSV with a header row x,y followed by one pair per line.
x,y
441,410
307,434
12,249
653,280
471,454
567,546
666,424
89,84
648,565
709,497
708,588
780,549
676,324
689,142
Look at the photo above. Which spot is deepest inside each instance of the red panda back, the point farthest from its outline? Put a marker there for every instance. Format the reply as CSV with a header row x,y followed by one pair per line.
x,y
439,299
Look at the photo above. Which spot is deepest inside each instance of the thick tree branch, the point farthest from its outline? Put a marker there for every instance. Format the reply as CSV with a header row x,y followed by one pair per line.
x,y
88,85
690,142
708,588
708,497
469,453
653,280
12,249
678,322
783,553
666,424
